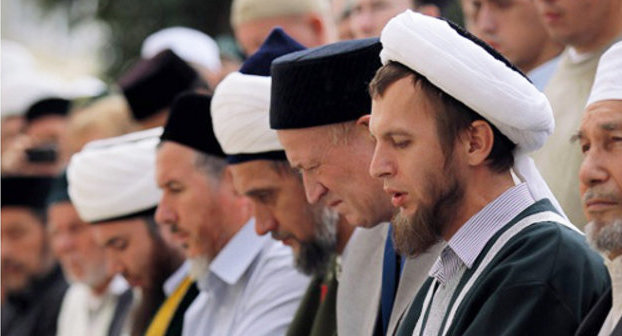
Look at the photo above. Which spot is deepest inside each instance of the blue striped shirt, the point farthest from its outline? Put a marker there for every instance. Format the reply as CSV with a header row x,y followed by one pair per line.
x,y
469,241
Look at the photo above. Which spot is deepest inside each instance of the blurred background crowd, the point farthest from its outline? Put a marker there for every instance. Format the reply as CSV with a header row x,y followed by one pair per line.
x,y
77,71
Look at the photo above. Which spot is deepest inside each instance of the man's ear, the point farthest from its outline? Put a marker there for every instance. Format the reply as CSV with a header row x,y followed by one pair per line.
x,y
318,27
478,141
364,120
227,181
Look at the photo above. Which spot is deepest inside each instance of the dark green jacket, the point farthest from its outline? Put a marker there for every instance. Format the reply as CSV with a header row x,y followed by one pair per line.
x,y
316,315
543,281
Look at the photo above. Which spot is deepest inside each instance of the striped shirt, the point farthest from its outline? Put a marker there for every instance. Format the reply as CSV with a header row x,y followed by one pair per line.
x,y
469,241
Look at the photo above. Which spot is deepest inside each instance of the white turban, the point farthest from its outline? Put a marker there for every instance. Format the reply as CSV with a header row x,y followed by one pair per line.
x,y
608,80
115,177
240,115
191,45
467,72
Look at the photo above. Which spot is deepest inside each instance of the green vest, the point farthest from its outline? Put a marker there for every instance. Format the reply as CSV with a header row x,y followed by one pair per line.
x,y
316,315
534,277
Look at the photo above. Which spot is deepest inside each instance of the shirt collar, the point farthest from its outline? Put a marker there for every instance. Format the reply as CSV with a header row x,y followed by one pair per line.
x,y
469,241
473,236
176,278
236,257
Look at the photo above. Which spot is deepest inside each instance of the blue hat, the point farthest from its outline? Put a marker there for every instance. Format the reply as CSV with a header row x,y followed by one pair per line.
x,y
277,44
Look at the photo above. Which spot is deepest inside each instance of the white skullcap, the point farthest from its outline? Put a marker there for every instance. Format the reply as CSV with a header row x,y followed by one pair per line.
x,y
608,80
241,117
191,45
115,177
467,72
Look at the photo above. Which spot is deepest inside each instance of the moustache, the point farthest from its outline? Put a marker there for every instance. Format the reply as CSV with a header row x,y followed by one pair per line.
x,y
591,194
281,235
11,265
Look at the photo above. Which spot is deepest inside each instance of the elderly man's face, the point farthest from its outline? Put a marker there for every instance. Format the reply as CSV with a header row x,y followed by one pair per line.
x,y
600,174
510,26
192,203
333,164
73,243
24,247
368,17
423,183
281,209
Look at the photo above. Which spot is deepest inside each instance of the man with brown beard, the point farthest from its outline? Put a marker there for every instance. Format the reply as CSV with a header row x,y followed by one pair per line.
x,y
446,153
260,171
111,183
248,284
319,106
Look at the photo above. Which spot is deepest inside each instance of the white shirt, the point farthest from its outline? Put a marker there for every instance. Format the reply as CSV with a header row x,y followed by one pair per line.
x,y
540,75
252,288
84,313
175,279
615,271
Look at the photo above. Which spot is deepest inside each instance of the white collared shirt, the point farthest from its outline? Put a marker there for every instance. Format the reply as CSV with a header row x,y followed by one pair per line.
x,y
615,271
175,279
84,313
252,288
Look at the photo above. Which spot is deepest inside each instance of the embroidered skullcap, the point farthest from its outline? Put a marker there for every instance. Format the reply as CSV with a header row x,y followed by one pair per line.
x,y
323,85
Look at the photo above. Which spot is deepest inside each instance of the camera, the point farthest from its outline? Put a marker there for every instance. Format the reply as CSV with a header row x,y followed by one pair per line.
x,y
42,154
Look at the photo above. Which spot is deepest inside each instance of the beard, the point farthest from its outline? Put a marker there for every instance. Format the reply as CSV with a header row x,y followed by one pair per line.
x,y
164,260
199,267
413,235
314,256
605,237
93,274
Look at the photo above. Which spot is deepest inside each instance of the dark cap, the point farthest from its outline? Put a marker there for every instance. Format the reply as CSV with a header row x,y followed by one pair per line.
x,y
277,44
324,85
48,107
25,191
152,84
190,124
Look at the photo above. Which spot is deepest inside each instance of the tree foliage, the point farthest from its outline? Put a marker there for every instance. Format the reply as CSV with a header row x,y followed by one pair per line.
x,y
130,22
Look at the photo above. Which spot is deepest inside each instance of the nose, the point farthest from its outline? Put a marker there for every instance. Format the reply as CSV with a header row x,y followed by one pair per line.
x,y
164,215
64,243
264,221
592,170
485,20
381,166
314,190
114,267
